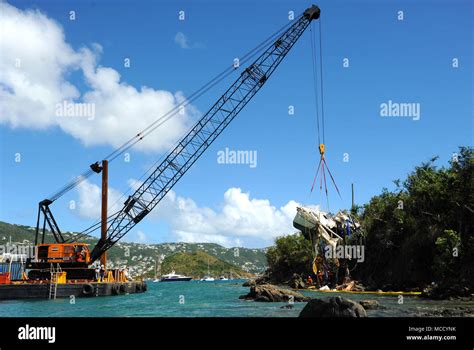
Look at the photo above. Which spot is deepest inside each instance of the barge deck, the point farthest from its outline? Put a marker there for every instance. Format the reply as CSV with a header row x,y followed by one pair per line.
x,y
27,290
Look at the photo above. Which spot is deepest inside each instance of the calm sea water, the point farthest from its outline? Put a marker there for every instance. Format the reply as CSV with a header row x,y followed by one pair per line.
x,y
195,299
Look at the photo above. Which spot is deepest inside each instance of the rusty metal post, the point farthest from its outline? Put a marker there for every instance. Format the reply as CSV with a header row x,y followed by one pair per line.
x,y
353,204
103,227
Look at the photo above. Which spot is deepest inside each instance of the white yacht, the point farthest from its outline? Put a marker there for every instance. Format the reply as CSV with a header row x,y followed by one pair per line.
x,y
174,277
208,279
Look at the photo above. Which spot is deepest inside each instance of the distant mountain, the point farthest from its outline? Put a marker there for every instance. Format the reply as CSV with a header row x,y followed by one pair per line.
x,y
196,265
141,258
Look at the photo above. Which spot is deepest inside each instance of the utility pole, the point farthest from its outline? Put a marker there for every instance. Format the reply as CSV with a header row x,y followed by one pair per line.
x,y
353,204
103,227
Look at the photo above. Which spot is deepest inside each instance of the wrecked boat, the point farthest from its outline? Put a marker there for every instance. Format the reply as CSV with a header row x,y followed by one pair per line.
x,y
315,224
329,235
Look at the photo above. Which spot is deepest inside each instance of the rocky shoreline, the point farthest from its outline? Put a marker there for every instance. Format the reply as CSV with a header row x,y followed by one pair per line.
x,y
448,292
432,292
262,290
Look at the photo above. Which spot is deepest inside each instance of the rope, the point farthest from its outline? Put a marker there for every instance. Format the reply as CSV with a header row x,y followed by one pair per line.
x,y
320,118
321,74
315,81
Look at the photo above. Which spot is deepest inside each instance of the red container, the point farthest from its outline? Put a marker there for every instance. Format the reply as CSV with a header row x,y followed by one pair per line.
x,y
4,277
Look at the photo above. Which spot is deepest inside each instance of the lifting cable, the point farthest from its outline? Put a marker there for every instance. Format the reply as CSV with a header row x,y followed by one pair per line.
x,y
322,165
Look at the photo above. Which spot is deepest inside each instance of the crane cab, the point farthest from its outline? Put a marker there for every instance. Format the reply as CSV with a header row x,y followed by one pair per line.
x,y
63,253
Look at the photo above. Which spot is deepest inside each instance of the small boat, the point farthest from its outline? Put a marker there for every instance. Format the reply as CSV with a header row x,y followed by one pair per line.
x,y
173,277
207,279
222,278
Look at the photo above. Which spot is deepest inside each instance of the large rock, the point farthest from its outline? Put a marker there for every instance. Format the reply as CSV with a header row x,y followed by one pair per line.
x,y
271,293
253,282
249,283
333,307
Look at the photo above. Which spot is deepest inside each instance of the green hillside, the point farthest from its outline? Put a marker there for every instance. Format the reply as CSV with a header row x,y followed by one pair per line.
x,y
140,258
196,265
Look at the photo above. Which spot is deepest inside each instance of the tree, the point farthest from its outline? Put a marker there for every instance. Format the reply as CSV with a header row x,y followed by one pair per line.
x,y
291,254
410,229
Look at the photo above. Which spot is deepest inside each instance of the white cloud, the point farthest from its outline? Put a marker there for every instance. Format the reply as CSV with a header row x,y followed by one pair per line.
x,y
36,62
142,237
181,40
90,199
34,59
239,219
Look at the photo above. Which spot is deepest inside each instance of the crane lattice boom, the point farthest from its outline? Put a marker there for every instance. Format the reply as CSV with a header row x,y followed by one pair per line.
x,y
201,136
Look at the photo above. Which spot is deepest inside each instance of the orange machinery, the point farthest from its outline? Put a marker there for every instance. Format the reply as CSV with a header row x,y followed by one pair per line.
x,y
63,253
73,258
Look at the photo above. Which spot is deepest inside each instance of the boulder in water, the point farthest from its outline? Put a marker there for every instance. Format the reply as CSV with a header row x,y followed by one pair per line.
x,y
271,293
333,307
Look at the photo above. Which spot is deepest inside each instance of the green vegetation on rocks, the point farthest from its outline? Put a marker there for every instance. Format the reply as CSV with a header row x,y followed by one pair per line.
x,y
290,254
420,232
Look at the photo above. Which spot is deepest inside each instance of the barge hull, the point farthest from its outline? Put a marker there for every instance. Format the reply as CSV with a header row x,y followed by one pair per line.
x,y
67,290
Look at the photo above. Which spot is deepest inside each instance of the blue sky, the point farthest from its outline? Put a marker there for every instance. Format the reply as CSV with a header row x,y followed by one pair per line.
x,y
403,61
